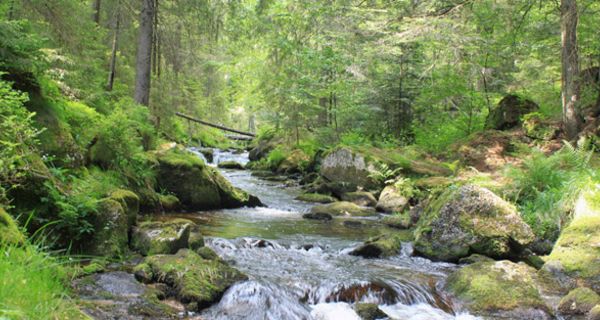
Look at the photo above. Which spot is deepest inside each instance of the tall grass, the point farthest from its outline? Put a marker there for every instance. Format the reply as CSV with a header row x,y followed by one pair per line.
x,y
32,285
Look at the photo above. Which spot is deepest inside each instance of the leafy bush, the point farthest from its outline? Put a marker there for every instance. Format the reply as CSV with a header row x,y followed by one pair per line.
x,y
275,158
383,174
20,48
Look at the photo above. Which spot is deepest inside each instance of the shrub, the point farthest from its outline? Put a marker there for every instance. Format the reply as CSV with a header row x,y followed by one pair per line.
x,y
275,158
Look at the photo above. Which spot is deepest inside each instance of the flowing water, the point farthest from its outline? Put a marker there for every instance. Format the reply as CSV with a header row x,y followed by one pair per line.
x,y
301,269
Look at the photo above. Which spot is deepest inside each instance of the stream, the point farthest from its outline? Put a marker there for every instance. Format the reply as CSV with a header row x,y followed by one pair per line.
x,y
301,269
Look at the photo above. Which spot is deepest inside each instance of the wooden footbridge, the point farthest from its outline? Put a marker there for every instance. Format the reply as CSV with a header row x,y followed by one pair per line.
x,y
239,135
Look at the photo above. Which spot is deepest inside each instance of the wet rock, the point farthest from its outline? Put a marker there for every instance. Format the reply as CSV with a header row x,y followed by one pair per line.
x,y
380,247
208,154
356,292
316,197
578,302
117,295
317,216
391,200
111,230
155,237
9,231
230,165
499,289
196,239
576,254
509,111
469,220
352,224
192,278
399,221
369,311
343,208
343,165
207,253
361,198
262,244
198,186
474,258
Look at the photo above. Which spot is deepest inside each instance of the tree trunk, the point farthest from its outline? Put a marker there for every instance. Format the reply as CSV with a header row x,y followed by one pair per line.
x,y
570,68
144,54
97,6
113,55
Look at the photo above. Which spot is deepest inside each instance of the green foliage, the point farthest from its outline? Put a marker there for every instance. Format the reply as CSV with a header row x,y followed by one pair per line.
x,y
17,137
276,157
383,174
20,48
31,285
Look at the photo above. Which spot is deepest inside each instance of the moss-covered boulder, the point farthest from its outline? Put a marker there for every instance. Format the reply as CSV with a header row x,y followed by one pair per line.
x,y
509,111
537,128
316,197
192,279
9,231
343,208
344,165
381,246
295,162
575,258
579,301
196,239
156,237
196,185
361,198
369,311
594,314
262,148
231,165
401,220
111,229
467,220
169,202
499,288
391,200
317,216
130,203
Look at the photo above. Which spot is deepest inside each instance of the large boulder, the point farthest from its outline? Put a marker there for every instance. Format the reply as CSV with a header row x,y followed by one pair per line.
x,y
470,219
385,245
198,186
578,302
343,208
262,149
111,230
575,258
509,111
343,165
316,197
192,279
156,237
361,198
391,200
130,203
500,289
9,231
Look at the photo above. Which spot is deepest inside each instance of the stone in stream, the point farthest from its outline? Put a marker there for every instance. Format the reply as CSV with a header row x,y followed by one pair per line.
x,y
193,280
369,311
316,197
231,165
361,198
578,302
391,200
198,186
117,295
379,247
343,208
156,237
471,219
356,292
317,216
344,165
502,289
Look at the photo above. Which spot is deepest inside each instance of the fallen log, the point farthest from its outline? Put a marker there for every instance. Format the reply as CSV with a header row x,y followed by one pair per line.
x,y
179,114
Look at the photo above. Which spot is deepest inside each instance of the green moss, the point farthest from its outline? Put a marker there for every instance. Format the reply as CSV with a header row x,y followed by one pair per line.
x,y
594,313
491,286
369,311
130,203
385,245
316,197
398,220
9,231
579,301
169,202
207,253
110,230
577,249
230,165
195,279
156,237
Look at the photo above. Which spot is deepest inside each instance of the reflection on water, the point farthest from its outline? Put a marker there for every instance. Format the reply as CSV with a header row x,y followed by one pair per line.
x,y
301,269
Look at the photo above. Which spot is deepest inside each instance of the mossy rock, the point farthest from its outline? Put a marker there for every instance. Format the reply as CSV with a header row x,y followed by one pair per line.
x,y
345,165
169,202
398,220
9,231
110,230
316,197
231,165
579,302
343,208
594,314
361,198
207,253
498,288
386,245
156,237
537,128
192,278
391,200
509,111
196,239
198,186
294,162
130,203
369,311
470,219
576,254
